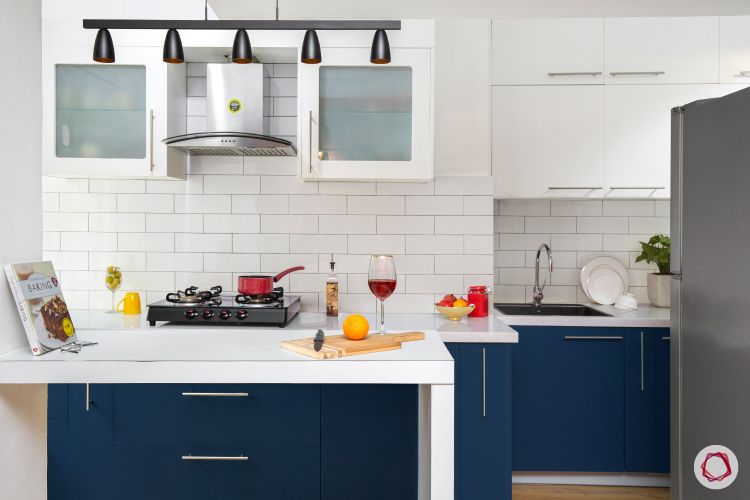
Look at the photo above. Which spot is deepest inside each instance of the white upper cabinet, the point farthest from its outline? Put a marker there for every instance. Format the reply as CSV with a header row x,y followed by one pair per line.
x,y
108,120
735,49
548,141
652,50
637,136
547,51
362,121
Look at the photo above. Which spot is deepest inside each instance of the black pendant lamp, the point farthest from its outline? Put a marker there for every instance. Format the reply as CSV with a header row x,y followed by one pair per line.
x,y
380,53
311,48
173,48
104,49
242,52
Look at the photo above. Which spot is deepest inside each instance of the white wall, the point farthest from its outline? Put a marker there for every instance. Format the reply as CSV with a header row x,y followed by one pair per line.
x,y
23,411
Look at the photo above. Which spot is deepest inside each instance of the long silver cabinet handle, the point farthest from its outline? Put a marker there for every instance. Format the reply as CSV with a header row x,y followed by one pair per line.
x,y
590,188
643,384
744,73
593,337
636,187
216,394
88,397
151,163
309,141
633,73
240,458
576,73
666,338
484,382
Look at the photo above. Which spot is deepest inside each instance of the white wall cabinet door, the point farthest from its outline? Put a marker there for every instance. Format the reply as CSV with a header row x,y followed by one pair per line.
x,y
547,51
108,120
548,141
655,50
637,136
734,49
361,121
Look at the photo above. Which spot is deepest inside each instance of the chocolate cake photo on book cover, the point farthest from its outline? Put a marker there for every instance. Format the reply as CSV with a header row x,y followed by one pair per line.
x,y
41,305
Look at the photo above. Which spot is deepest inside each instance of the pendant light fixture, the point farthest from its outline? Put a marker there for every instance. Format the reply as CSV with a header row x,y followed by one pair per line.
x,y
104,49
242,52
311,48
380,53
173,53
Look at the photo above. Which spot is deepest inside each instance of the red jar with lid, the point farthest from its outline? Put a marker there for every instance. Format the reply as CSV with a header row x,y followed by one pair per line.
x,y
479,296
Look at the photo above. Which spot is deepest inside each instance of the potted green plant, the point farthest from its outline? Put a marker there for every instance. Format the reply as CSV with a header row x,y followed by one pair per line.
x,y
656,251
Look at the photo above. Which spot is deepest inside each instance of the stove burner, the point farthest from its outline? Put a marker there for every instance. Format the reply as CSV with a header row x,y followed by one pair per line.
x,y
192,295
265,299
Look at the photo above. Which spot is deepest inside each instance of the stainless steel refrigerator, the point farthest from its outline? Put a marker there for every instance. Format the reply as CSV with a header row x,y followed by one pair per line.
x,y
710,351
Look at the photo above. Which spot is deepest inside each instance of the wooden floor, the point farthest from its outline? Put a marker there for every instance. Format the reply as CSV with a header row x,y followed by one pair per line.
x,y
573,492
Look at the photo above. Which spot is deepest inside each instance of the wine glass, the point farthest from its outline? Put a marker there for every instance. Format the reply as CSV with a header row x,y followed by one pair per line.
x,y
113,280
382,282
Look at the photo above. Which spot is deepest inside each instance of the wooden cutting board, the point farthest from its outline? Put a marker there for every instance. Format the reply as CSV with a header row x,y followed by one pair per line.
x,y
338,346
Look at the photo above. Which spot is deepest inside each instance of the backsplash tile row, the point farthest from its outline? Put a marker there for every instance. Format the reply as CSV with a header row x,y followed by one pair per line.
x,y
238,215
577,231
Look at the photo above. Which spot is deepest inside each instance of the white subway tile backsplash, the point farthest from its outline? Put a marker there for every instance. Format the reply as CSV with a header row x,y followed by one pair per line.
x,y
464,185
232,262
351,188
51,240
661,208
86,241
285,184
287,70
50,202
614,225
522,241
126,261
463,224
282,87
550,224
191,242
430,283
204,281
515,276
122,223
539,208
260,243
317,204
375,205
149,203
582,258
406,188
435,205
192,185
644,208
408,224
202,203
584,242
416,264
74,261
164,261
274,263
301,224
270,165
478,205
260,204
285,106
196,69
145,242
196,86
462,264
317,243
215,165
561,258
225,223
283,125
87,202
175,223
434,244
475,244
592,208
509,224
196,106
346,224
117,186
624,242
196,124
63,185
231,184
379,244
510,258
649,225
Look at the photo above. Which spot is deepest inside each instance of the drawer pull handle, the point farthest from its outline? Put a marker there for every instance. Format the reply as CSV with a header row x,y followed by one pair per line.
x,y
666,338
216,394
643,383
635,73
593,337
576,73
484,382
196,458
613,188
588,188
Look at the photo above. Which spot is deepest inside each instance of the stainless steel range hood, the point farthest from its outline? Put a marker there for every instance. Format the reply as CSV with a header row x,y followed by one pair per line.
x,y
236,121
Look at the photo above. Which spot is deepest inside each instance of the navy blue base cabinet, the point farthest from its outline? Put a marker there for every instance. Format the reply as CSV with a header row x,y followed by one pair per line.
x,y
591,399
483,418
275,442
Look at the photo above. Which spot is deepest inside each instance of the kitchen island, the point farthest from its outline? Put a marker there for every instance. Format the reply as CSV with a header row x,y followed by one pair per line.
x,y
128,354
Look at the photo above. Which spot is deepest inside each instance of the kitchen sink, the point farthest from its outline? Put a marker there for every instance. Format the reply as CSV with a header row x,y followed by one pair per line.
x,y
548,310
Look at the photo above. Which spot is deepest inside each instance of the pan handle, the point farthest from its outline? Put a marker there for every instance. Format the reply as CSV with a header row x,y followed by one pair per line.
x,y
287,271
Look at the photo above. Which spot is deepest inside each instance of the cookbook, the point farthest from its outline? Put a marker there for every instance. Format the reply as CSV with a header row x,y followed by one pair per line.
x,y
41,305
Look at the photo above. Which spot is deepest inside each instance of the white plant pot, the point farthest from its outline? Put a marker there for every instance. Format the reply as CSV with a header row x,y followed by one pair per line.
x,y
658,287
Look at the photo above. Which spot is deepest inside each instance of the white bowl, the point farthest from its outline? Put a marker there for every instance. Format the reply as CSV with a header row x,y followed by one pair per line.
x,y
626,301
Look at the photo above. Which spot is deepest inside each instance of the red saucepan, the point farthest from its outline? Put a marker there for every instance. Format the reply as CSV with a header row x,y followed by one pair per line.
x,y
258,284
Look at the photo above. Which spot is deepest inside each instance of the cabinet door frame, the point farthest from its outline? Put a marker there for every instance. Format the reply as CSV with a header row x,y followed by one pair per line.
x,y
419,168
165,84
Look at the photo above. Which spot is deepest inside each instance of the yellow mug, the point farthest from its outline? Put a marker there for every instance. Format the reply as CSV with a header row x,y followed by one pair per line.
x,y
131,303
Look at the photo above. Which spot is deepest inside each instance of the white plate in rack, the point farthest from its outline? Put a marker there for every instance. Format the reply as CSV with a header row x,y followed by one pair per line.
x,y
609,262
605,285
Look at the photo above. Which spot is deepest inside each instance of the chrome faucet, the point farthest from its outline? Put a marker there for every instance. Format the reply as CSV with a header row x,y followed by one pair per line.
x,y
538,295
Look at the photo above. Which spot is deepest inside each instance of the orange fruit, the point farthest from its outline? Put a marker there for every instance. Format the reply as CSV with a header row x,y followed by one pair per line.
x,y
356,327
460,303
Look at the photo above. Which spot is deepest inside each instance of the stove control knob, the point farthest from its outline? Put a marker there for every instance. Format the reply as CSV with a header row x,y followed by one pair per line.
x,y
207,314
191,313
241,314
225,314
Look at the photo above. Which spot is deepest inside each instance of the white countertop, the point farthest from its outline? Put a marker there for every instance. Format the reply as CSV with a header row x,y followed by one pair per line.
x,y
646,316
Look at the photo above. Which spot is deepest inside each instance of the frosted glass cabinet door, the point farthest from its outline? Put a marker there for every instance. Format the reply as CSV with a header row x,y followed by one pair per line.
x,y
365,121
100,111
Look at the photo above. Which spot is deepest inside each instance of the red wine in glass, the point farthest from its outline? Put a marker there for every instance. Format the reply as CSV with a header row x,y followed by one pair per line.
x,y
382,282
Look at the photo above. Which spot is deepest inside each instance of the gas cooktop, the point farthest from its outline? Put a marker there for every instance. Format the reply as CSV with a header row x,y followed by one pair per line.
x,y
195,307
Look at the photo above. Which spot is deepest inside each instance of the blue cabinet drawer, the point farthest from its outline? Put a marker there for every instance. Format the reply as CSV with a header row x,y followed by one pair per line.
x,y
270,472
205,413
